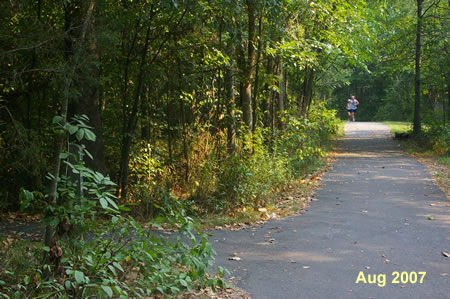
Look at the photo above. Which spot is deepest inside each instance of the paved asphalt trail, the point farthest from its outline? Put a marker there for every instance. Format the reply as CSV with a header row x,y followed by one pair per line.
x,y
371,216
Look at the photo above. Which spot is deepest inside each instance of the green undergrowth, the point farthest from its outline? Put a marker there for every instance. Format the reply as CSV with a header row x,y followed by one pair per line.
x,y
445,161
213,183
96,249
340,130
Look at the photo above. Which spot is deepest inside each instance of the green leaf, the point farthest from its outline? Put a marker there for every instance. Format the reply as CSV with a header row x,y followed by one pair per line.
x,y
111,202
63,155
88,154
103,202
80,134
183,282
79,277
27,280
57,119
118,266
72,129
113,270
89,135
108,291
46,248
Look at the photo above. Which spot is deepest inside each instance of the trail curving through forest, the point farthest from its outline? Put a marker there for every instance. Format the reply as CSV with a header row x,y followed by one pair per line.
x,y
378,212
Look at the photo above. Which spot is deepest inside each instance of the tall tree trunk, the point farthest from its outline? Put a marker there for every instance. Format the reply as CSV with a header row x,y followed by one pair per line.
x,y
257,63
53,196
281,94
265,104
78,16
145,119
285,88
86,78
169,126
307,87
185,145
230,101
417,120
248,78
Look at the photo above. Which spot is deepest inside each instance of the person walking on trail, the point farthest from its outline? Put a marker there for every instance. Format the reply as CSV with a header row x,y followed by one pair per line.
x,y
352,105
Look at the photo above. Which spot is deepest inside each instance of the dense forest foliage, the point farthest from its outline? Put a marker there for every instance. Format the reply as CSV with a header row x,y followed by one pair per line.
x,y
178,85
211,104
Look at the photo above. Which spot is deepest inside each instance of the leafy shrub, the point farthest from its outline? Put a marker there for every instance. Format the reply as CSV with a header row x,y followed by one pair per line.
x,y
126,260
249,177
439,137
305,138
149,180
115,257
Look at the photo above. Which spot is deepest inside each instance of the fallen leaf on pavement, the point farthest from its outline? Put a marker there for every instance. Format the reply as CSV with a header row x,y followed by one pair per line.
x,y
306,267
292,261
234,258
445,254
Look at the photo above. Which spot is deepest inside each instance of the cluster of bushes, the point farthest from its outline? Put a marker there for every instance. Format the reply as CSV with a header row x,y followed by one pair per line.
x,y
219,181
436,137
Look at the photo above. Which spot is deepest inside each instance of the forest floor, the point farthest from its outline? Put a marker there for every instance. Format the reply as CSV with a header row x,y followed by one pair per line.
x,y
378,212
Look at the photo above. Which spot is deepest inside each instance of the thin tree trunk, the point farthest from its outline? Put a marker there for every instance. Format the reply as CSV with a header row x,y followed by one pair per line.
x,y
230,100
49,229
145,119
281,94
247,84
307,87
131,125
285,88
265,105
417,120
73,41
257,63
169,128
185,146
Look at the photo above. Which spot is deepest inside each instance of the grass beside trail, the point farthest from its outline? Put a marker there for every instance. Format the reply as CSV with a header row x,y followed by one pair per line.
x,y
341,126
399,126
438,165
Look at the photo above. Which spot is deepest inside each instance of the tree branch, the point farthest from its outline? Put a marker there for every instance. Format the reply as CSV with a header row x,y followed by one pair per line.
x,y
431,5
